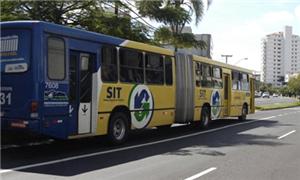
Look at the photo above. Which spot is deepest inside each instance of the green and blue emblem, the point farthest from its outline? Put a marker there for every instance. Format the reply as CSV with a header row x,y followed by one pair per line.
x,y
215,104
141,105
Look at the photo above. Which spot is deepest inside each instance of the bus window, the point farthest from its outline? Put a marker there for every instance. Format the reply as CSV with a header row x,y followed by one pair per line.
x,y
154,69
168,70
131,66
109,71
206,76
245,82
217,77
236,85
198,73
56,59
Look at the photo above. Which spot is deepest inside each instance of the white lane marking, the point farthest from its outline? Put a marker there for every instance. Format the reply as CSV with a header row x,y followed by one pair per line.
x,y
201,173
291,132
120,149
268,118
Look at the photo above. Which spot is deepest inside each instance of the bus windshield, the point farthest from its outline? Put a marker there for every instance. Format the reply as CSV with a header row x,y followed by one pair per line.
x,y
15,50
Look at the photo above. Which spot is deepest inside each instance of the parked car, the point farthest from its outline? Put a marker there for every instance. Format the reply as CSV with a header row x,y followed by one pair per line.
x,y
275,95
257,94
266,95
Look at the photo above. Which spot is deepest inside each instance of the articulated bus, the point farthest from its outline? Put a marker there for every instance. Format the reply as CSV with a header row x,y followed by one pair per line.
x,y
69,83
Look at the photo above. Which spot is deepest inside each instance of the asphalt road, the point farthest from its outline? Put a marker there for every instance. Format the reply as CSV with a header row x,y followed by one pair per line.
x,y
266,146
273,100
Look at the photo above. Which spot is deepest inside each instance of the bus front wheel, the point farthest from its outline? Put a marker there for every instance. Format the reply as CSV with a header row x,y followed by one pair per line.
x,y
118,128
244,113
205,118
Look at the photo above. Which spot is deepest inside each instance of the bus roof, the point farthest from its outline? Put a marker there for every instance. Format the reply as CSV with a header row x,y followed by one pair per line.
x,y
221,64
85,35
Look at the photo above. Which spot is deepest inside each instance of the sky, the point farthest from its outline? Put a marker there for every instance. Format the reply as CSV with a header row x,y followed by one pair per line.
x,y
238,26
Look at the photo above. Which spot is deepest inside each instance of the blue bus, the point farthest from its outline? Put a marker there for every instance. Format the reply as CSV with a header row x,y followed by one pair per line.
x,y
47,72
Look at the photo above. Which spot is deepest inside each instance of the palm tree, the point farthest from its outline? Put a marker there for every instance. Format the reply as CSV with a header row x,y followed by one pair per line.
x,y
174,14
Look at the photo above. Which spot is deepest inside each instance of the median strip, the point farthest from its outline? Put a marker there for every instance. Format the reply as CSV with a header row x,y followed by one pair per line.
x,y
277,106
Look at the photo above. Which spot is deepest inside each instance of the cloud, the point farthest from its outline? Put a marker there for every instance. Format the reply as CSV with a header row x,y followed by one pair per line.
x,y
277,17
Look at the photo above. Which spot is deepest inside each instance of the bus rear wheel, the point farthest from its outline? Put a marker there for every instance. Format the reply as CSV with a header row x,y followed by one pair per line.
x,y
205,118
118,128
243,117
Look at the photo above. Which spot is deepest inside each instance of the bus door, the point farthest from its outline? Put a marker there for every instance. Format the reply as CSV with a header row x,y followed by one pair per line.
x,y
80,92
227,92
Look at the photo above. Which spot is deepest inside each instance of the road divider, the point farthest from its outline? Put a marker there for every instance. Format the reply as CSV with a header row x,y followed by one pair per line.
x,y
277,106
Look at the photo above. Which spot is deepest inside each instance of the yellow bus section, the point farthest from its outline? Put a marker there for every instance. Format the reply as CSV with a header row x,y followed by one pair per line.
x,y
159,109
203,95
161,104
233,104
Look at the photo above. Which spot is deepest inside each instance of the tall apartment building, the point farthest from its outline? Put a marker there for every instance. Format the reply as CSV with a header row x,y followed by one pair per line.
x,y
281,56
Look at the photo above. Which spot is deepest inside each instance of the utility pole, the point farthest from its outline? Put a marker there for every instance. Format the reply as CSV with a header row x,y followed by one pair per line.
x,y
226,57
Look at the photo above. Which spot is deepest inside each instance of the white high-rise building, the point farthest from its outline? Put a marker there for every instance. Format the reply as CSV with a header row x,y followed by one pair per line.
x,y
281,56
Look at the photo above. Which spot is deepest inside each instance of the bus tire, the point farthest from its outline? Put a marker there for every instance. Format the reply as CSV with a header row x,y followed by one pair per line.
x,y
243,117
205,117
118,128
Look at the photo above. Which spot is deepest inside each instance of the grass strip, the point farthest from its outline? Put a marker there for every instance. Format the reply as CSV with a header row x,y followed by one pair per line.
x,y
277,106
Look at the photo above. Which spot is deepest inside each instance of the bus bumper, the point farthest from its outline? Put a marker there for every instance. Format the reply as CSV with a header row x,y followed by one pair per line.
x,y
17,124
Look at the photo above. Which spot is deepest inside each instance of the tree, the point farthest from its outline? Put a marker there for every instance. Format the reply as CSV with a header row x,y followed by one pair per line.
x,y
294,85
59,12
174,14
90,15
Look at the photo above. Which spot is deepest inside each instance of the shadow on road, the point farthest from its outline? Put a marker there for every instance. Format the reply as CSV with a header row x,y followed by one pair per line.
x,y
205,144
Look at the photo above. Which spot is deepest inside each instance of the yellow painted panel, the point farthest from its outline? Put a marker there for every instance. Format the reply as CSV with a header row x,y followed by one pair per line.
x,y
102,125
118,94
162,117
197,114
146,47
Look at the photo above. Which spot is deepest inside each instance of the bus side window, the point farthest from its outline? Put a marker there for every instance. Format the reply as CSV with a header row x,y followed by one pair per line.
x,y
206,76
109,71
56,61
168,70
245,82
198,73
131,66
154,69
236,80
217,77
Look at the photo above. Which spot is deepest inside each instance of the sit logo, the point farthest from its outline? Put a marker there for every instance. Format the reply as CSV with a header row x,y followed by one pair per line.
x,y
215,104
141,105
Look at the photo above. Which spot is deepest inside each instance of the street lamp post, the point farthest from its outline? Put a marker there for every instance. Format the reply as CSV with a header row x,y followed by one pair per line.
x,y
241,60
226,56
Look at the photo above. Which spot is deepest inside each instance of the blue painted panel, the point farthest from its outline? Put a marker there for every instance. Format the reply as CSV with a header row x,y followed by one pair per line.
x,y
17,82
